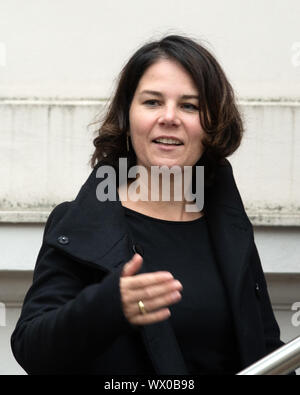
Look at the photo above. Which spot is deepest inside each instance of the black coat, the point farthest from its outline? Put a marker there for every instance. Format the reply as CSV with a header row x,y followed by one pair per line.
x,y
72,319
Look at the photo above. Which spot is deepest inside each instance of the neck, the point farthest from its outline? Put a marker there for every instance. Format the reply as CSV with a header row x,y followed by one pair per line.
x,y
162,195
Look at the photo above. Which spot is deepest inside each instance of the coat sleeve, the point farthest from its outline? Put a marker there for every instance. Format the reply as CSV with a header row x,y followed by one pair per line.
x,y
66,321
271,327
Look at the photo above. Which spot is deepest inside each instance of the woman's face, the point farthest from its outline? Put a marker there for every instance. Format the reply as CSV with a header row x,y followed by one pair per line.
x,y
166,105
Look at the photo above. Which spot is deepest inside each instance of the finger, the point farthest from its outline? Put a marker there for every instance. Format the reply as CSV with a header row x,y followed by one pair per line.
x,y
153,291
158,303
132,266
151,318
146,279
132,309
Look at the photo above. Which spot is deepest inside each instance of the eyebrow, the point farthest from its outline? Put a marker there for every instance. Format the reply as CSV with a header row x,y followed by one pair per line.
x,y
159,94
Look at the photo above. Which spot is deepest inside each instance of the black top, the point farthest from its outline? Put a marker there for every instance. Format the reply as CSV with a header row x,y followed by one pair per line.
x,y
202,319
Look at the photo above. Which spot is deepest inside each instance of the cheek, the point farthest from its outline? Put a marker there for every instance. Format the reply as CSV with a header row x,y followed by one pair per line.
x,y
196,132
196,137
140,123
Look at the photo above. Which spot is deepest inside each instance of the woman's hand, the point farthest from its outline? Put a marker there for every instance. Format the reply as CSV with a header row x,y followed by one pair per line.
x,y
156,290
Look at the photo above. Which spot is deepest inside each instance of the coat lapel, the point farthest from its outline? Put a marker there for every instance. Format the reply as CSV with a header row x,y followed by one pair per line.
x,y
98,236
94,228
231,236
231,233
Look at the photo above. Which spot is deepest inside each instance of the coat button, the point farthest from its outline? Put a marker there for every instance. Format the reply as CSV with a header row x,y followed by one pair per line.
x,y
138,249
257,289
63,240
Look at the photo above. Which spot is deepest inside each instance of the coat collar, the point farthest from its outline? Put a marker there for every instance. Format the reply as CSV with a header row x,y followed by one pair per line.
x,y
97,229
94,228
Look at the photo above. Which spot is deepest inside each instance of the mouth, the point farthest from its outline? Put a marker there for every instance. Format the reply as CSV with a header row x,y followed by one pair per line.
x,y
167,147
168,142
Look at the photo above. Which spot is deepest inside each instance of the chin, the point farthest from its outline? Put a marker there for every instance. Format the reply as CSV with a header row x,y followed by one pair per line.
x,y
168,163
161,162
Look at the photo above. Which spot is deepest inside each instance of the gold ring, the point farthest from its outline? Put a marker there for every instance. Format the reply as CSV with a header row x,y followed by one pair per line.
x,y
142,307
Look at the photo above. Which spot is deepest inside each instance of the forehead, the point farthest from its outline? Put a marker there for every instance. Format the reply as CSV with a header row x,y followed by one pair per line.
x,y
166,73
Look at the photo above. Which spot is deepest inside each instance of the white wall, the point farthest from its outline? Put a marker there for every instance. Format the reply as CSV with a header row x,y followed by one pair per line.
x,y
45,147
73,48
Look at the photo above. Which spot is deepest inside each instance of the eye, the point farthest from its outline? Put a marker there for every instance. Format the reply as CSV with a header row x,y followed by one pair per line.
x,y
190,106
151,103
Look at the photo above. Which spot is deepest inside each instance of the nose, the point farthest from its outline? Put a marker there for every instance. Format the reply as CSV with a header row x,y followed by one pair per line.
x,y
169,116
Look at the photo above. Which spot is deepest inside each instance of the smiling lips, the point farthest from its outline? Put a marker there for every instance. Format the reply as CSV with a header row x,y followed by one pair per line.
x,y
168,142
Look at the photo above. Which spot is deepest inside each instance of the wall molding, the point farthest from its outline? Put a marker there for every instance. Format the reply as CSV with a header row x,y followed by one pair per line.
x,y
283,288
49,123
63,101
259,217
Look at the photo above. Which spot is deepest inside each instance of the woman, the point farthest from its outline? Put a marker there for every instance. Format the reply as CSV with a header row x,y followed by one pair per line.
x,y
128,286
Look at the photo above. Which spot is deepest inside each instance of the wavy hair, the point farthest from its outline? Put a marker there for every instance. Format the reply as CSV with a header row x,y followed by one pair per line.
x,y
219,115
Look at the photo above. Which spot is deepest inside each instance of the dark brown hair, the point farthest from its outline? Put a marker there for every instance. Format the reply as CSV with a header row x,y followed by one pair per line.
x,y
219,115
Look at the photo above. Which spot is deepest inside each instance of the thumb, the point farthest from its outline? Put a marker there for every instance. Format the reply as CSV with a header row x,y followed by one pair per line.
x,y
132,266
